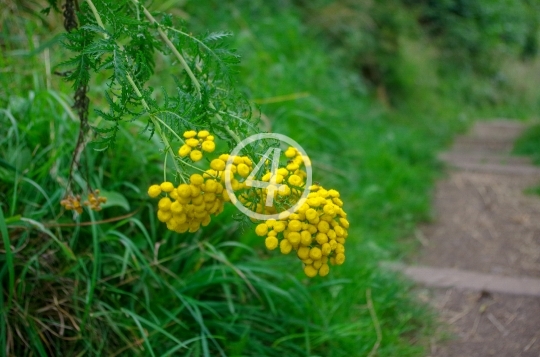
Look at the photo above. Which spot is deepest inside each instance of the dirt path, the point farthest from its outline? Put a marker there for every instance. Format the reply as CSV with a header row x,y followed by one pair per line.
x,y
481,256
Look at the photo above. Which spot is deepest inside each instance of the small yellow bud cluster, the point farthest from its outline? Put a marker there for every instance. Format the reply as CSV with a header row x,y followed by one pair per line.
x,y
94,200
196,143
71,202
316,232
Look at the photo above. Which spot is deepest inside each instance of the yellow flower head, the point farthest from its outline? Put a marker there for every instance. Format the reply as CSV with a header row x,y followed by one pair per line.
x,y
154,191
243,170
208,146
295,180
271,243
190,134
217,164
196,179
203,134
192,142
195,155
310,271
261,230
166,186
184,150
324,270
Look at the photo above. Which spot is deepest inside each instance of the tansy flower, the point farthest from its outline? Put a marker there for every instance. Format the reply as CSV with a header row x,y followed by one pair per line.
x,y
208,146
195,155
166,186
190,134
184,150
154,191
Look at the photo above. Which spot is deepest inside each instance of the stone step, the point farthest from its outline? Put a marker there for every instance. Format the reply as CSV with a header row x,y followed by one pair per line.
x,y
483,158
469,280
471,144
497,169
497,130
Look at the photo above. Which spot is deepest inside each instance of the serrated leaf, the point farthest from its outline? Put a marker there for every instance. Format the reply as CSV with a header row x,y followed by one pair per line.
x,y
216,36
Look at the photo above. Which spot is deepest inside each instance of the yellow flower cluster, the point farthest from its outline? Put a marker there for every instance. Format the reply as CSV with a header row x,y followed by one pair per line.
x,y
287,185
71,202
187,207
316,231
196,143
94,201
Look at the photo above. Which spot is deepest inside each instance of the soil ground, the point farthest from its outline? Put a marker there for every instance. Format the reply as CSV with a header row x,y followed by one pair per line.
x,y
485,223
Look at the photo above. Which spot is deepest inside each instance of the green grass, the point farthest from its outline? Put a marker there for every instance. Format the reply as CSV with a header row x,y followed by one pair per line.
x,y
131,287
529,144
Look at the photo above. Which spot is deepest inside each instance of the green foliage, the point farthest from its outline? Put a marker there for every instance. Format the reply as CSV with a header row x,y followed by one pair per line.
x,y
121,40
529,144
116,282
480,33
410,50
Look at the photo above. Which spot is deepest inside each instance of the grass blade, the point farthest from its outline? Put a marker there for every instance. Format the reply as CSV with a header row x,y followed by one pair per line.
x,y
9,257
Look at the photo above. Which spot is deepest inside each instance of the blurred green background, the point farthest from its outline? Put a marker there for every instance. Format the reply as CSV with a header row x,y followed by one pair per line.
x,y
371,89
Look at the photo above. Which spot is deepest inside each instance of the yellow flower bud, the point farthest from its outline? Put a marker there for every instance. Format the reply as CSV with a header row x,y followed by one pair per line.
x,y
164,204
190,134
294,237
217,164
305,238
295,180
326,249
340,258
243,170
323,227
315,253
208,146
192,142
154,191
310,271
285,246
290,152
294,225
166,186
283,171
303,252
324,270
321,238
271,243
261,230
176,207
195,155
164,216
196,179
184,190
184,150
203,134
279,226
